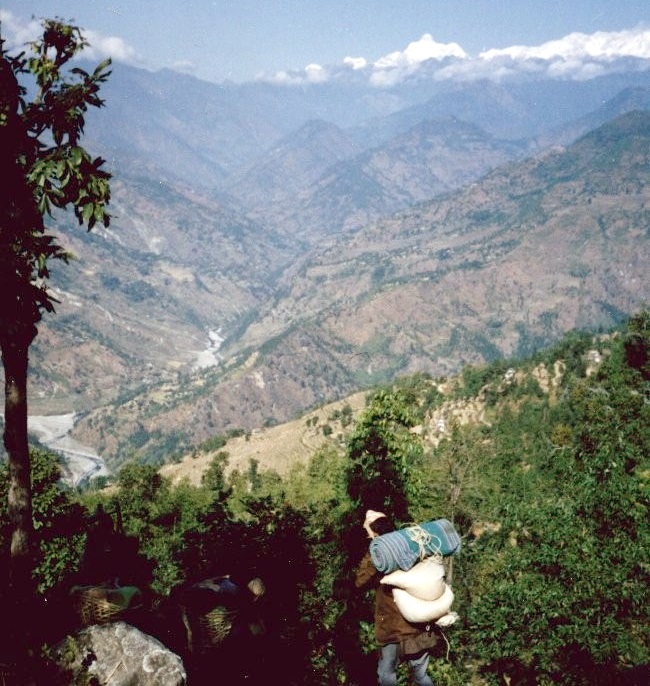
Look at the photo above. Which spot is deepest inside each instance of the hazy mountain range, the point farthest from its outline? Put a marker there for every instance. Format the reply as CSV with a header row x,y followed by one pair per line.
x,y
273,248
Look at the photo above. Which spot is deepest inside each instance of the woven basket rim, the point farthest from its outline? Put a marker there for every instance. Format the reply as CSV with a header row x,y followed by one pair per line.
x,y
94,609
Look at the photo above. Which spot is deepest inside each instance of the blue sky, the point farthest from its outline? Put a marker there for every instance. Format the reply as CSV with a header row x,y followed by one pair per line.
x,y
294,40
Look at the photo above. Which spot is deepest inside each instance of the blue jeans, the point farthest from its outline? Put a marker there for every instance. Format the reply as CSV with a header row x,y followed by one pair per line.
x,y
387,667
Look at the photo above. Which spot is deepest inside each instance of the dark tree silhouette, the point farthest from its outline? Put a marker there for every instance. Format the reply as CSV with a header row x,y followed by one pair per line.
x,y
43,168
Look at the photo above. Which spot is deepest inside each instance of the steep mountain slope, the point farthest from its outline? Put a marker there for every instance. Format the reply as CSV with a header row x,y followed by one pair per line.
x,y
502,266
628,100
182,129
291,166
531,250
433,157
139,301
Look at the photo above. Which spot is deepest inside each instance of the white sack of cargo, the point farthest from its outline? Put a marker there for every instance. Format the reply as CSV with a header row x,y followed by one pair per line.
x,y
419,611
425,580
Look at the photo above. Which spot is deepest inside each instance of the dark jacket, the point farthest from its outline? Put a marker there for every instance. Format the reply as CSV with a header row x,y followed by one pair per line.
x,y
390,626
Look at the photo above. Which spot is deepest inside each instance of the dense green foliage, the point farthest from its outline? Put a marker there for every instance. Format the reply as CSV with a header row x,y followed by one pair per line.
x,y
59,520
549,491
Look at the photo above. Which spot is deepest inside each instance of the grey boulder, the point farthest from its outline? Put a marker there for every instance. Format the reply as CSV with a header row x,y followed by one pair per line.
x,y
118,654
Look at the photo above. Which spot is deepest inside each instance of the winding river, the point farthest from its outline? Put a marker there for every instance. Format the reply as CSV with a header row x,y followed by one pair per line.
x,y
81,463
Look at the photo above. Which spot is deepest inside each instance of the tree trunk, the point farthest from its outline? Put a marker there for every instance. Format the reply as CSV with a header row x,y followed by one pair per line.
x,y
20,603
14,358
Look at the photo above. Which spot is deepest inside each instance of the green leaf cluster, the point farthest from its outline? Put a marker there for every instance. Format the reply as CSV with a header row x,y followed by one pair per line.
x,y
43,166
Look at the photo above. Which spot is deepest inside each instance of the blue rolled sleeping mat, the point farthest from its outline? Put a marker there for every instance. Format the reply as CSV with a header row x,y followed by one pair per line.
x,y
402,548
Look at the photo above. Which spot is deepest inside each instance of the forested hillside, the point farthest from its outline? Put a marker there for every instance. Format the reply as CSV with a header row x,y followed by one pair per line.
x,y
547,483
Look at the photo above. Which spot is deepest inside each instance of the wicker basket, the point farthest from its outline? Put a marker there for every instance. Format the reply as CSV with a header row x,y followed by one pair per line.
x,y
213,627
93,605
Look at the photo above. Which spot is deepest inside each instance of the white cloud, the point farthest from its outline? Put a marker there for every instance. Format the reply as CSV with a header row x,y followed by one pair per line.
x,y
184,66
355,62
396,66
386,71
314,73
101,46
18,33
577,56
281,78
420,51
475,69
600,46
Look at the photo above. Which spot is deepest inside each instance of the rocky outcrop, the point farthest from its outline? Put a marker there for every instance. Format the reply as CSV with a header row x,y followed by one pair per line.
x,y
118,654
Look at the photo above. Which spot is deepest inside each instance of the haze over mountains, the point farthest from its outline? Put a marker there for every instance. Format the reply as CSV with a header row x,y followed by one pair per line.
x,y
311,241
